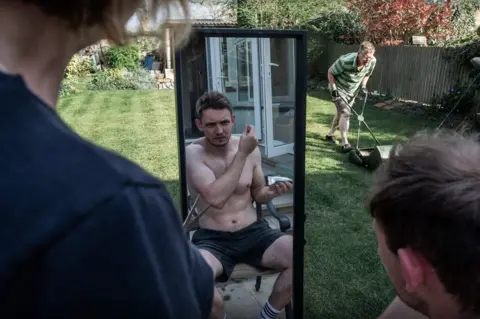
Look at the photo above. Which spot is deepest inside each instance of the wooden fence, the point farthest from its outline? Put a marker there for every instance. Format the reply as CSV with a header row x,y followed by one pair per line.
x,y
407,72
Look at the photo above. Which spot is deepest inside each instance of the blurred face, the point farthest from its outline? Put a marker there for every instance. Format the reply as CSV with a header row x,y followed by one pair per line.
x,y
217,126
400,273
366,57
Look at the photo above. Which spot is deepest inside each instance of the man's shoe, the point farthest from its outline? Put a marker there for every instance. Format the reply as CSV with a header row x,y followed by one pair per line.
x,y
331,138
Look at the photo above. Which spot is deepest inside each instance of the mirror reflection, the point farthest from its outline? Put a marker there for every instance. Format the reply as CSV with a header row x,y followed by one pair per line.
x,y
238,97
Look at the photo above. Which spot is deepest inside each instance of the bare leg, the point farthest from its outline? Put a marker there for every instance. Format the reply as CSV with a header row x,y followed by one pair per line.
x,y
218,309
335,123
344,125
280,256
282,290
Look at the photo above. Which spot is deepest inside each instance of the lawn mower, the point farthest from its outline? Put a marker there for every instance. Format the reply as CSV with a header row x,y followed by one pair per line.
x,y
372,157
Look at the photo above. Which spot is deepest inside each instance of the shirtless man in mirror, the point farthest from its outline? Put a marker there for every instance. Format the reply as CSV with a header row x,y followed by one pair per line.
x,y
227,172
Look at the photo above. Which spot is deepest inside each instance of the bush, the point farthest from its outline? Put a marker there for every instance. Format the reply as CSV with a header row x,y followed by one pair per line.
x,y
447,101
69,85
339,25
78,66
116,79
123,57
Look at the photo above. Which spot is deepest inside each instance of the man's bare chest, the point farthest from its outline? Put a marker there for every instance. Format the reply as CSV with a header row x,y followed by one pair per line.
x,y
220,167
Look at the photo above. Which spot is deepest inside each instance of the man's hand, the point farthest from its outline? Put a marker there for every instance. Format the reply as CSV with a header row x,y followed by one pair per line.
x,y
278,189
335,95
248,140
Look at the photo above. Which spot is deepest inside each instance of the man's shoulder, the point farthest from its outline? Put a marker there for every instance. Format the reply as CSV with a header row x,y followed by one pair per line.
x,y
196,147
349,57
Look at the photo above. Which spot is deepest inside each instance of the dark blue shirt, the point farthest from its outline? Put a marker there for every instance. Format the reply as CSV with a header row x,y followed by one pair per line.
x,y
85,233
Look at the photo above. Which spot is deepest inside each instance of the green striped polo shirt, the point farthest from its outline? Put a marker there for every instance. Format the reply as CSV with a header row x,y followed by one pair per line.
x,y
347,76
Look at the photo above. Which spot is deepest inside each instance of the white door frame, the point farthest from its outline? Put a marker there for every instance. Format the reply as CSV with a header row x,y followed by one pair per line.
x,y
270,149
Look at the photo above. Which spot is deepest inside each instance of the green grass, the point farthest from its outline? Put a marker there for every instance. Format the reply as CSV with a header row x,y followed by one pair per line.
x,y
343,277
140,125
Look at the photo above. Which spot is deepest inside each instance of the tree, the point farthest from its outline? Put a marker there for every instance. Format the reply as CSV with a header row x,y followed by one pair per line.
x,y
279,14
398,20
223,10
463,17
338,24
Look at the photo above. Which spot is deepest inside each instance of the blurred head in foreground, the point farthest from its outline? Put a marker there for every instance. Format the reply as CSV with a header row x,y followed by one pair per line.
x,y
425,204
38,37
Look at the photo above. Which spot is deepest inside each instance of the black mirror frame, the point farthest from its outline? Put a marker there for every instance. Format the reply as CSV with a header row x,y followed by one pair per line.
x,y
299,215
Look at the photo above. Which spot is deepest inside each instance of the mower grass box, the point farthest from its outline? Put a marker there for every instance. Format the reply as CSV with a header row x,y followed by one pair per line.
x,y
370,158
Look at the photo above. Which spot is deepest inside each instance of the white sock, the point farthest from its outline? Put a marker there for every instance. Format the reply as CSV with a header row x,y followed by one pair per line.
x,y
269,312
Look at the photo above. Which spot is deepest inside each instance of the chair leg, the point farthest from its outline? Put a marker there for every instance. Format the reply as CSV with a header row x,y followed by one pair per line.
x,y
289,311
258,283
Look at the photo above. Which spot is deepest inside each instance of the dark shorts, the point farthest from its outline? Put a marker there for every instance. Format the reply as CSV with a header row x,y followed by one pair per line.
x,y
244,246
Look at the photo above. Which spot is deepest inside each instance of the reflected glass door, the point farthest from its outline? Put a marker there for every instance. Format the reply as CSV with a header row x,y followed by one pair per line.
x,y
233,69
278,82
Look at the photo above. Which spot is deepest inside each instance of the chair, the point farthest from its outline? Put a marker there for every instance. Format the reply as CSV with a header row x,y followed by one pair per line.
x,y
243,272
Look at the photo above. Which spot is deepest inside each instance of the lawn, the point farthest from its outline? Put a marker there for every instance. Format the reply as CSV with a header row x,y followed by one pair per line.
x,y
343,277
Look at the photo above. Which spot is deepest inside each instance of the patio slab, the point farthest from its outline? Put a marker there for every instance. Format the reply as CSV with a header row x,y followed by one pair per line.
x,y
243,302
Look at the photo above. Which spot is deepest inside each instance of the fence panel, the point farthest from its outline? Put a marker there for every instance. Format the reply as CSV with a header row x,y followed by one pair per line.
x,y
407,72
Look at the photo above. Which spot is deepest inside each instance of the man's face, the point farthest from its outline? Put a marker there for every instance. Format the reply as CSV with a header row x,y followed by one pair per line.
x,y
217,126
366,57
395,272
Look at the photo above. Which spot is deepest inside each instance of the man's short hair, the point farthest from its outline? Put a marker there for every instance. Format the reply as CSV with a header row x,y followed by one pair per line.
x,y
212,100
366,47
105,13
427,197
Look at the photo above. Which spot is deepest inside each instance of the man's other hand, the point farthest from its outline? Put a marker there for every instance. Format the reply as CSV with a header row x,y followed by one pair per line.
x,y
279,188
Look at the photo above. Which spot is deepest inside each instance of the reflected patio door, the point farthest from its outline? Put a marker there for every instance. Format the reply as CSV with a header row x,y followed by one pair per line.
x,y
233,68
278,74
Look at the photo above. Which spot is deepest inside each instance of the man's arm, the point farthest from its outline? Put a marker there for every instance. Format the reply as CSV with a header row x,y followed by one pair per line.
x,y
399,310
365,81
367,77
260,192
215,191
127,257
336,69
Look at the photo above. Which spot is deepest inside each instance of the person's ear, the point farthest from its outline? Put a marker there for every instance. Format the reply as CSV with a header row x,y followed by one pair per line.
x,y
414,268
199,125
233,118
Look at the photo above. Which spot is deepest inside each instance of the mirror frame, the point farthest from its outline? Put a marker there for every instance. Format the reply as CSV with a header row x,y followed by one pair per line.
x,y
301,66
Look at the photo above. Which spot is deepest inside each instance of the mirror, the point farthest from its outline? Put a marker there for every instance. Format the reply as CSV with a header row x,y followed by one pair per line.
x,y
241,98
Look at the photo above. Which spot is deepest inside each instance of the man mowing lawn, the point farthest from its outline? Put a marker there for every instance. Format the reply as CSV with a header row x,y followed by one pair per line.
x,y
84,233
346,76
426,209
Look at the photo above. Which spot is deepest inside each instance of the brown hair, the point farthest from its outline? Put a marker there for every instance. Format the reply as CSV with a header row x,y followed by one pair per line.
x,y
106,14
212,100
427,197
